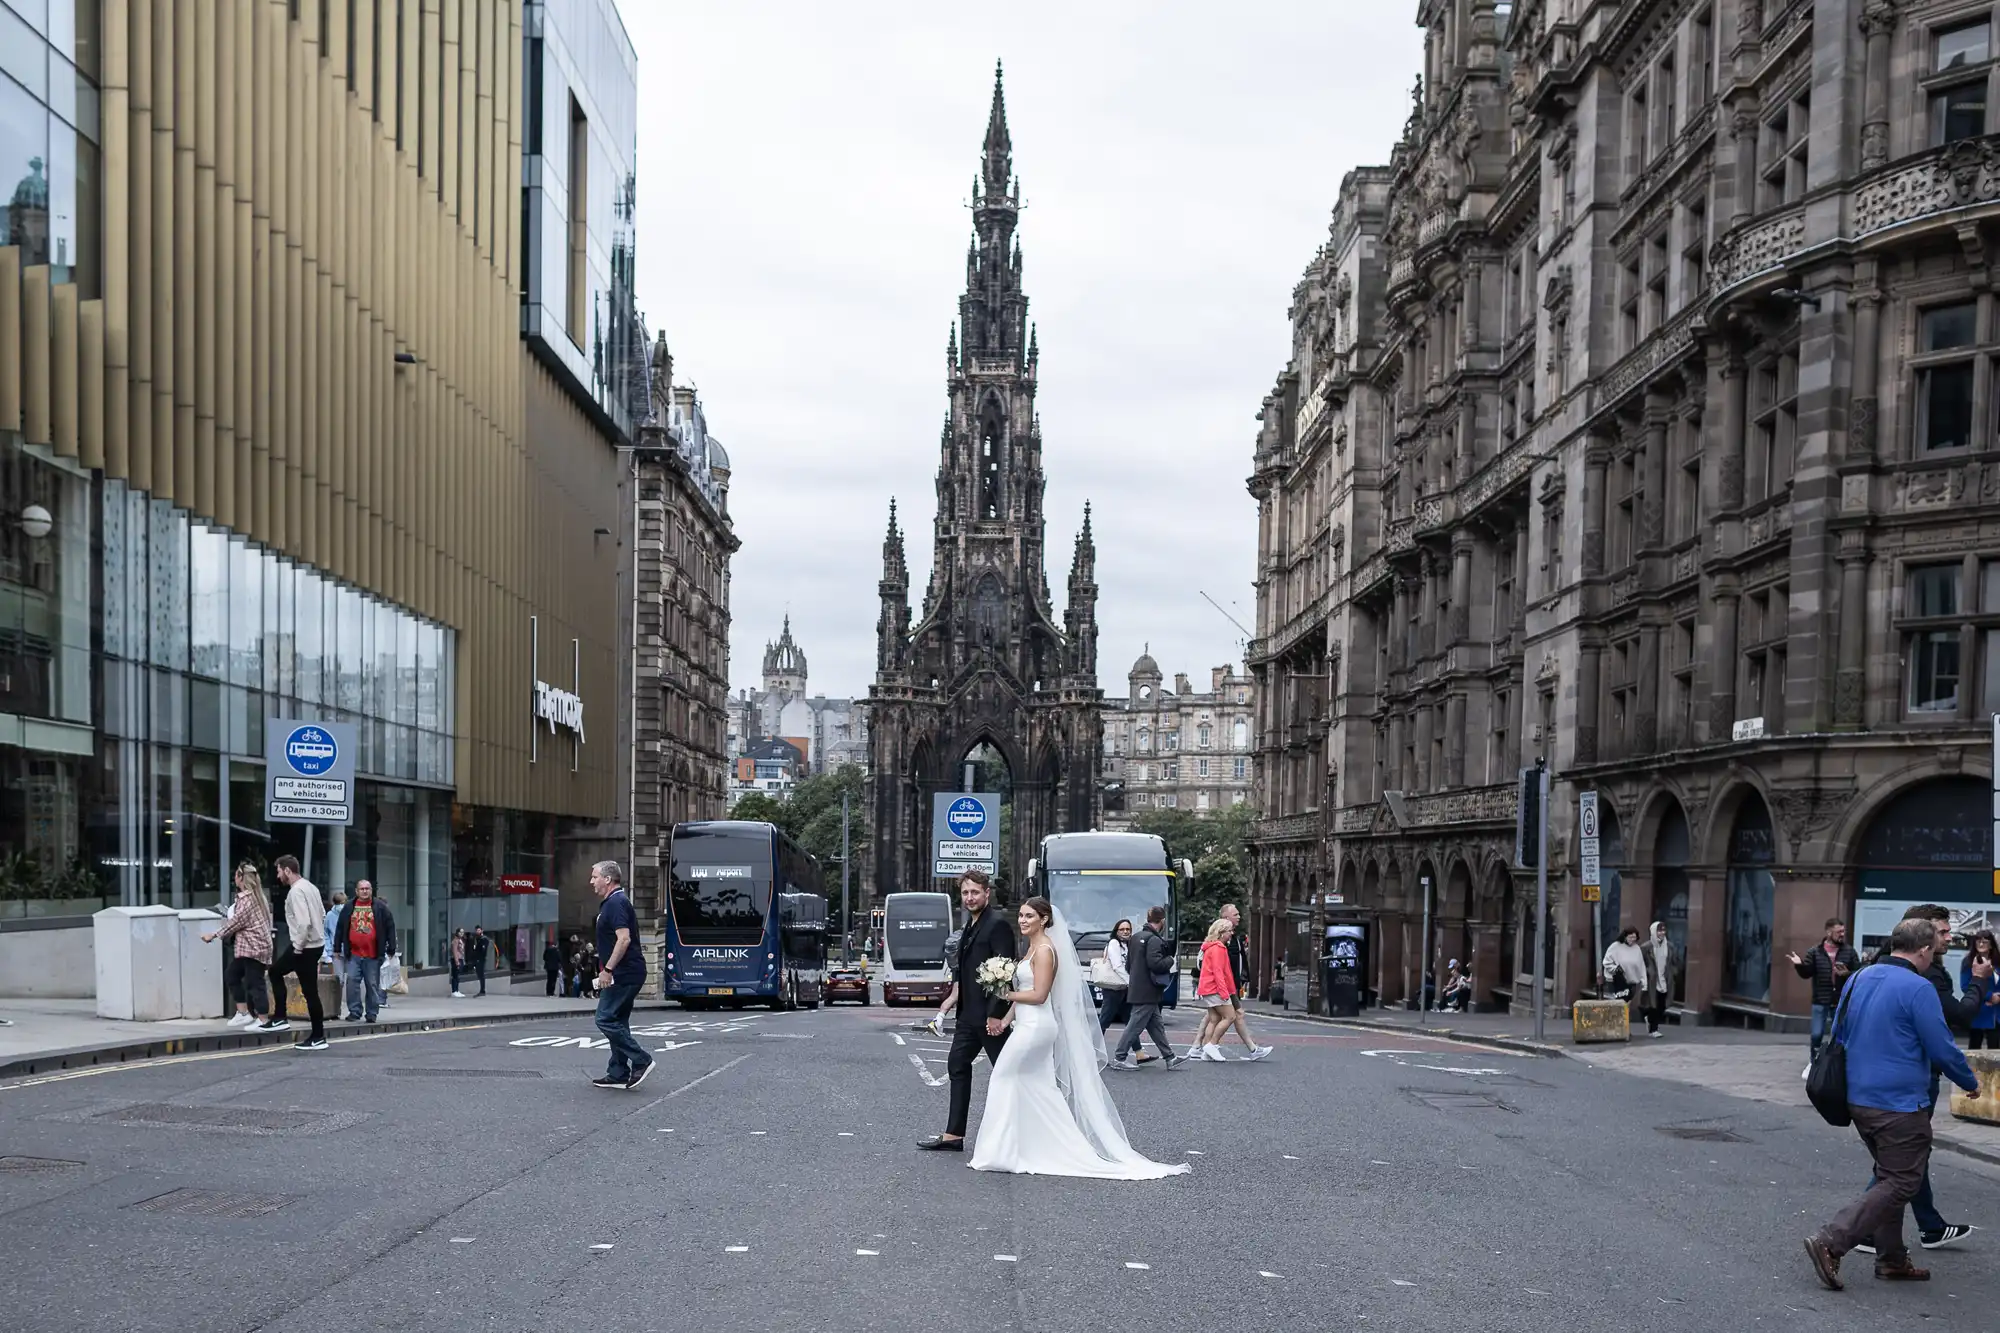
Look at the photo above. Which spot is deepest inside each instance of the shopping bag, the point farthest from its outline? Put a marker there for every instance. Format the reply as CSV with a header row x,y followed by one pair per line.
x,y
392,977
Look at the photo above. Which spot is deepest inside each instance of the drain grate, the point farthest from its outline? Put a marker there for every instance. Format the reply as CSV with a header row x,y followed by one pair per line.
x,y
1451,1099
213,1203
1701,1133
465,1073
25,1164
242,1118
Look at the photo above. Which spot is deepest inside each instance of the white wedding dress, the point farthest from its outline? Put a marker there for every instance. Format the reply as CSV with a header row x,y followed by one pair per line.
x,y
1047,1111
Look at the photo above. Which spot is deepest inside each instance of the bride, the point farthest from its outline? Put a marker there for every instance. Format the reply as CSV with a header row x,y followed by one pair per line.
x,y
1047,1112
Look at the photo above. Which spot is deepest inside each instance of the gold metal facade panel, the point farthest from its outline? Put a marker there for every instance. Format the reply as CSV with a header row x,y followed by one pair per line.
x,y
269,248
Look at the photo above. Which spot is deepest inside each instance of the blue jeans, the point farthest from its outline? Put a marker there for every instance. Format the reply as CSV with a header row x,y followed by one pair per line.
x,y
614,1020
364,986
1822,1025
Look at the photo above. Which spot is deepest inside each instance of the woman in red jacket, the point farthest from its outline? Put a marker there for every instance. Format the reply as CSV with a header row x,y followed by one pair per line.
x,y
1216,994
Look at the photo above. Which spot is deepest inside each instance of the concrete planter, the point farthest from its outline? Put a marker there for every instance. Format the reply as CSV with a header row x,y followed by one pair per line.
x,y
1985,1107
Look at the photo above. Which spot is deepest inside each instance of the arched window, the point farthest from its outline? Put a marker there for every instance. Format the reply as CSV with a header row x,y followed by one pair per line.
x,y
1145,738
1240,734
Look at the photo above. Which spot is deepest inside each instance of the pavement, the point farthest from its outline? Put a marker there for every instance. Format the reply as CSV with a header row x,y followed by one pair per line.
x,y
1753,1066
765,1177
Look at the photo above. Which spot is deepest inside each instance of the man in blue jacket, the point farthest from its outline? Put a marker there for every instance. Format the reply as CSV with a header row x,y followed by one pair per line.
x,y
1894,1030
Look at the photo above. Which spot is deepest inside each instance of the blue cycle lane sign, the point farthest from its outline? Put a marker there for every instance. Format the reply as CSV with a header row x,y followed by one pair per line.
x,y
965,829
308,771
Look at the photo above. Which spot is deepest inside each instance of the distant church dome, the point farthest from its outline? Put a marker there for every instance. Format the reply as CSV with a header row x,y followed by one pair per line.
x,y
1145,666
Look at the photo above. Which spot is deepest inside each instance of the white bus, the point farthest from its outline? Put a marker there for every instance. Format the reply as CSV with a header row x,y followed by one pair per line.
x,y
914,929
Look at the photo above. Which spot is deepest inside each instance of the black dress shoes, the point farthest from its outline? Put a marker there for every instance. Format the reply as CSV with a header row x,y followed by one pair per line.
x,y
939,1143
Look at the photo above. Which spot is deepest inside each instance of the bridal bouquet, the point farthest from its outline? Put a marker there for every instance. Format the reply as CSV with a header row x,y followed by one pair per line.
x,y
996,977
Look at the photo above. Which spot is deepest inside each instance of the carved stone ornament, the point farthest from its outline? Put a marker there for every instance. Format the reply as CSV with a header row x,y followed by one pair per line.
x,y
1749,20
1555,296
1878,17
1805,812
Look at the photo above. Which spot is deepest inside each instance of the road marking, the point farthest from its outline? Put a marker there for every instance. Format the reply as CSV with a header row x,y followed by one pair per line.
x,y
600,1247
759,1133
463,1240
1130,1264
1196,1152
706,1077
932,1079
1399,1282
1262,1273
1373,1162
869,1252
677,1046
663,1131
848,1134
899,1039
1006,1258
1290,1158
736,1249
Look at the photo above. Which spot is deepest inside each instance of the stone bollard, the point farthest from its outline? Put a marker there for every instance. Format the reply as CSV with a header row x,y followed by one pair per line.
x,y
1594,1021
1985,1107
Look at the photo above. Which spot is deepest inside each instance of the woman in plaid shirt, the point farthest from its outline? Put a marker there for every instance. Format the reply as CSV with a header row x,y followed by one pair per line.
x,y
250,924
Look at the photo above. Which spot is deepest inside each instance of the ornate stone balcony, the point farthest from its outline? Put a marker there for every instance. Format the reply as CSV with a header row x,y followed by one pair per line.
x,y
1465,805
1939,187
1664,346
1289,828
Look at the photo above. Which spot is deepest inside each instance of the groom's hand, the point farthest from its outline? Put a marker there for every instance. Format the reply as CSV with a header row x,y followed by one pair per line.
x,y
994,1027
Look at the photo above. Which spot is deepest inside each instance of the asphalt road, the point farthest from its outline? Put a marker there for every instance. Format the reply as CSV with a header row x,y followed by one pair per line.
x,y
764,1178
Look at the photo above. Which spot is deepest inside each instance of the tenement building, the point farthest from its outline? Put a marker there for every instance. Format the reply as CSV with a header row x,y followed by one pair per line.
x,y
315,372
1170,747
1684,480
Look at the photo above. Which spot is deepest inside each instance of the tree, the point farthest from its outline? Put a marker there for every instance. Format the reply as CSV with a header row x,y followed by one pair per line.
x,y
1218,843
755,805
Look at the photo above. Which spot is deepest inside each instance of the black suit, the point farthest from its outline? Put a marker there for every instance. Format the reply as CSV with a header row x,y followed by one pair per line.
x,y
991,936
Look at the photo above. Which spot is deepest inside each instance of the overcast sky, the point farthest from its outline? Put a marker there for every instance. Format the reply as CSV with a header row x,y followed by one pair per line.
x,y
804,174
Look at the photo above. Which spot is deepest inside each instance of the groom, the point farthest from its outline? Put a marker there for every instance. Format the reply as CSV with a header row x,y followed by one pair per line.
x,y
988,934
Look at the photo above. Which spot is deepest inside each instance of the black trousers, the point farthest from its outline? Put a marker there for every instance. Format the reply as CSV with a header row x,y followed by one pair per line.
x,y
967,1041
303,964
1115,1009
1982,1038
246,983
479,970
552,981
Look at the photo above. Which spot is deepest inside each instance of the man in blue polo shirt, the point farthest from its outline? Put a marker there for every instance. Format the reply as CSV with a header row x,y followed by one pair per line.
x,y
621,977
1894,1030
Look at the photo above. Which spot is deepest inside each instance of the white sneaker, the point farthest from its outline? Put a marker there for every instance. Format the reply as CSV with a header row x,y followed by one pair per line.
x,y
1258,1053
458,995
242,1020
1214,1052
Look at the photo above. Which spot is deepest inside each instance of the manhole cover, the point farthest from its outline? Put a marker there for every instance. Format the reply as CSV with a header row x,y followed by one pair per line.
x,y
35,1164
213,1117
1445,1099
213,1203
1701,1133
466,1073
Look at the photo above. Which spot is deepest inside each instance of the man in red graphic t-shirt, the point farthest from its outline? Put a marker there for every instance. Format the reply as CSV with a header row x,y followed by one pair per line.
x,y
365,935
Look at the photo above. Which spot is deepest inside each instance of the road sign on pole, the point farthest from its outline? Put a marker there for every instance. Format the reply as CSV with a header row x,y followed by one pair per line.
x,y
308,771
965,832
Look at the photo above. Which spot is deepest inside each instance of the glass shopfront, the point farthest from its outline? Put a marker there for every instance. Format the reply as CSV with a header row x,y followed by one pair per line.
x,y
1746,971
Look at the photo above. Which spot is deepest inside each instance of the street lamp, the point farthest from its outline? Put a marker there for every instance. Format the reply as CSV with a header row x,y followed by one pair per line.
x,y
37,522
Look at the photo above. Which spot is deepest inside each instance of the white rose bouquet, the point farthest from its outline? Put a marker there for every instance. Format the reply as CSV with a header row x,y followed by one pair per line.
x,y
996,977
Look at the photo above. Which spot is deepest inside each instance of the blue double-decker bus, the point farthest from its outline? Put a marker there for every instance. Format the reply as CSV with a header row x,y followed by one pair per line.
x,y
745,920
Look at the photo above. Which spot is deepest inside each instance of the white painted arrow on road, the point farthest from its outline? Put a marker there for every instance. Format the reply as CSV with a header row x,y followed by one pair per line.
x,y
676,1045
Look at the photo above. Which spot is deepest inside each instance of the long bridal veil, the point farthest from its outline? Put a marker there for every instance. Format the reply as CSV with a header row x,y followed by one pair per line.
x,y
1080,1055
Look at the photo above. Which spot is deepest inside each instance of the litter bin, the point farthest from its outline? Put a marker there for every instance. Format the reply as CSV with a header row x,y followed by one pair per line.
x,y
138,963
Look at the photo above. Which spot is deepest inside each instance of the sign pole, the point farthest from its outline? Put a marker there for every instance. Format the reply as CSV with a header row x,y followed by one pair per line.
x,y
1996,804
1424,965
1541,897
846,930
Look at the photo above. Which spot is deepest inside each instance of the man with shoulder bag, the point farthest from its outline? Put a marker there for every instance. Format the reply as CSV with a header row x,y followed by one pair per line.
x,y
1890,1032
1149,970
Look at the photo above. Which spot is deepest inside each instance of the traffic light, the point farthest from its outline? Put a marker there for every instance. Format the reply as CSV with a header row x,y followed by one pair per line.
x,y
1528,819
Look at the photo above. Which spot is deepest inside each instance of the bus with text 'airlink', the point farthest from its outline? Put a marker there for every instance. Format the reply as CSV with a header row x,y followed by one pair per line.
x,y
1098,879
745,920
915,927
